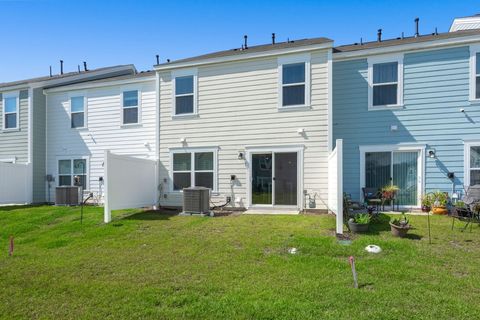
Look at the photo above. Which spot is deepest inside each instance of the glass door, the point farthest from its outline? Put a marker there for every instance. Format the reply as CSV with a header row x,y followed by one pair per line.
x,y
285,180
378,172
405,175
262,179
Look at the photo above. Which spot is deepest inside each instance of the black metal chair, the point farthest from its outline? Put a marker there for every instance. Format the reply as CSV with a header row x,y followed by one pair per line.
x,y
372,197
470,213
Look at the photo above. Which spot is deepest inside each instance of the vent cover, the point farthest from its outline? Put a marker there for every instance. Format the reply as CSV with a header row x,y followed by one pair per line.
x,y
196,200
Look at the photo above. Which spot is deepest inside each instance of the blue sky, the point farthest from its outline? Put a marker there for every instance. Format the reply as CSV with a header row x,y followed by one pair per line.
x,y
38,33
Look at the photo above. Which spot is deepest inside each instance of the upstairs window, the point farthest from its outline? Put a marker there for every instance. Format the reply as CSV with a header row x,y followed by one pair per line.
x,y
293,84
77,112
185,95
477,76
10,112
196,168
69,168
130,107
385,78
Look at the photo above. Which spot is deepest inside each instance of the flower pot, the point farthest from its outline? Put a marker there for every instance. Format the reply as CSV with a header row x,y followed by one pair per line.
x,y
426,208
440,210
399,231
358,227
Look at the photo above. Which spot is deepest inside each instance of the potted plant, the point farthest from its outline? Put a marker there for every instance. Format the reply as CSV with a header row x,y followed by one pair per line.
x,y
389,192
359,223
440,200
427,202
400,227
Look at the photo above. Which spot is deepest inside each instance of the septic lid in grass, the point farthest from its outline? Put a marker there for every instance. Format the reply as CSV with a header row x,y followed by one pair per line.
x,y
344,242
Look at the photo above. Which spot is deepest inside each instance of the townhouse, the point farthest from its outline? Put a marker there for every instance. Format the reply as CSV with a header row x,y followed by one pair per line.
x,y
407,110
23,122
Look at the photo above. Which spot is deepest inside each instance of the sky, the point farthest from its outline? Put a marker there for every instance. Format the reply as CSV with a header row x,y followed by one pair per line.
x,y
36,34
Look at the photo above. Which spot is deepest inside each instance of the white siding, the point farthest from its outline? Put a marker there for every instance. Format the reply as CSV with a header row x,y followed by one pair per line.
x,y
238,108
104,130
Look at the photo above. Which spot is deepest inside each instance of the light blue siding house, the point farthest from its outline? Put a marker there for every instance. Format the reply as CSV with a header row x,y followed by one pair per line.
x,y
408,112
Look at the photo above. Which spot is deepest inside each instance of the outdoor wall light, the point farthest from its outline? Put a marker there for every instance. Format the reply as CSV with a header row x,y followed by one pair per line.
x,y
431,154
301,131
241,155
183,140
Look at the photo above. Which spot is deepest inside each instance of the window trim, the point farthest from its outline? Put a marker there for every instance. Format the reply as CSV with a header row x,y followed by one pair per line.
x,y
72,158
192,171
139,106
385,59
474,49
12,160
7,95
467,145
85,109
179,74
292,59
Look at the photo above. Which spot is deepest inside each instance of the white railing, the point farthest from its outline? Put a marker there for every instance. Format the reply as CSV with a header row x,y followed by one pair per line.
x,y
335,184
129,183
15,183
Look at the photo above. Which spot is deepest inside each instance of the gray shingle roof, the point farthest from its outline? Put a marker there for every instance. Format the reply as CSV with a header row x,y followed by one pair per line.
x,y
252,49
406,40
63,76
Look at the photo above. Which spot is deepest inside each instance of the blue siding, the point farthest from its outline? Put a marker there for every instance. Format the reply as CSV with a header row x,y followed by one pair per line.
x,y
436,87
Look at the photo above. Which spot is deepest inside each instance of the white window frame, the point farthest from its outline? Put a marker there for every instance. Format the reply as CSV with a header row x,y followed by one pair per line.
x,y
474,49
9,160
281,61
385,59
192,171
420,148
85,109
139,106
185,73
467,145
5,96
71,158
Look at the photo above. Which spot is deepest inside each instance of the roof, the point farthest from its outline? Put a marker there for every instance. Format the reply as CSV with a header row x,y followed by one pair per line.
x,y
253,49
406,40
67,75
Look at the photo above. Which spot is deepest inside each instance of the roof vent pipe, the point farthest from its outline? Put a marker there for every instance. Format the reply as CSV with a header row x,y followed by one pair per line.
x,y
416,27
379,35
50,71
78,66
273,38
85,66
158,59
61,66
361,41
245,38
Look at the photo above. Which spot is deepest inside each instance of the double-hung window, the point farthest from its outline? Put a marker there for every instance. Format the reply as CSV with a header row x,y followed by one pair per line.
x,y
10,112
475,73
474,165
294,81
385,83
185,93
77,112
68,169
130,107
194,168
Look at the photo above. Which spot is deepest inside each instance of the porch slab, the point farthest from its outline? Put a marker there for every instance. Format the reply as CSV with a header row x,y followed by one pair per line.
x,y
272,211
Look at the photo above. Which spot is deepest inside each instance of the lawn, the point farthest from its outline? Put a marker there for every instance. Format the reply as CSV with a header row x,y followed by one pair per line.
x,y
151,265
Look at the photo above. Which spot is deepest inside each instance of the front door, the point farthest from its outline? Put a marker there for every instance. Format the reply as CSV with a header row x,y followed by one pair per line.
x,y
274,178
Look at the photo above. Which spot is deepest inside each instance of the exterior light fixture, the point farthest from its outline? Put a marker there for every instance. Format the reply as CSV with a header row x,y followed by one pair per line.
x,y
183,140
431,154
241,155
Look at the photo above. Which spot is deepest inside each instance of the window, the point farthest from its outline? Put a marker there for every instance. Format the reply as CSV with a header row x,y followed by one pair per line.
x,y
77,112
293,84
69,168
185,94
196,168
475,73
130,107
385,83
474,165
10,112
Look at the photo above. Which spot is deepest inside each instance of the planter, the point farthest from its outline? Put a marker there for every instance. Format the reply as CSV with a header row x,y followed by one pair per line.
x,y
399,231
358,227
440,210
426,208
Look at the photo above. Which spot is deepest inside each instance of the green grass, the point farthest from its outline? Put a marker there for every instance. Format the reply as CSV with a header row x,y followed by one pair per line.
x,y
147,265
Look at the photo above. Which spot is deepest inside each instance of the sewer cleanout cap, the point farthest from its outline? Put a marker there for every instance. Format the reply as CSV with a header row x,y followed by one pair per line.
x,y
373,248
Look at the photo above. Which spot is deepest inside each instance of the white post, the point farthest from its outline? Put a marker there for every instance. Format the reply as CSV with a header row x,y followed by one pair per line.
x,y
107,213
339,146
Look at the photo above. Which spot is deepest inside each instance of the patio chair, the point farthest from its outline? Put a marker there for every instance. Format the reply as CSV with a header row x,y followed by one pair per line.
x,y
372,197
468,214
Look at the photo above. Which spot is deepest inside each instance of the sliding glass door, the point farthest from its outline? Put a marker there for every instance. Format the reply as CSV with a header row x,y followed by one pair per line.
x,y
398,168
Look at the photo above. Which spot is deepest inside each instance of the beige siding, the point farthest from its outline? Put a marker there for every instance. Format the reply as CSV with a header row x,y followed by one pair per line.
x,y
104,129
238,108
15,143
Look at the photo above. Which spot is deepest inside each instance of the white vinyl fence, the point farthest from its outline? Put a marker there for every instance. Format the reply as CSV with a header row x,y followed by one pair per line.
x,y
15,183
129,183
335,184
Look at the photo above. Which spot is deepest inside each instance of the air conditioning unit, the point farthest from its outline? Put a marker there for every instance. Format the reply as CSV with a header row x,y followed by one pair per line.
x,y
68,196
196,200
